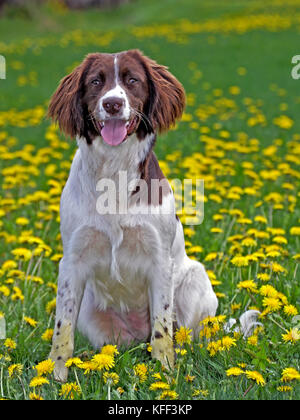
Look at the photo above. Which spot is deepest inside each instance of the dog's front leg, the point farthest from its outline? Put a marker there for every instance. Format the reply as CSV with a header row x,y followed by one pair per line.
x,y
161,305
69,295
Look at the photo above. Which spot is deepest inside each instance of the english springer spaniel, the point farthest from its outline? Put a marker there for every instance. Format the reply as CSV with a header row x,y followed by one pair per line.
x,y
124,275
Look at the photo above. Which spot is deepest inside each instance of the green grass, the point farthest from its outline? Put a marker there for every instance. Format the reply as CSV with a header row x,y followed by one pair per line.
x,y
208,61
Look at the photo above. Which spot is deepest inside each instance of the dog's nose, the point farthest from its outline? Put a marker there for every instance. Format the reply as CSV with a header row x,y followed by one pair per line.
x,y
113,105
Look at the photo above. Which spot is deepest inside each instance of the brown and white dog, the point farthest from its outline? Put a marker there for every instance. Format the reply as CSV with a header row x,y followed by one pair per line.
x,y
124,276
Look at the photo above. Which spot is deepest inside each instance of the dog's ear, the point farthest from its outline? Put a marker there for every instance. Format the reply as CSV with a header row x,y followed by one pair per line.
x,y
65,106
166,95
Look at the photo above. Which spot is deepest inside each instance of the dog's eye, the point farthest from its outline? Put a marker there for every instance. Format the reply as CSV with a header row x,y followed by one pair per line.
x,y
132,80
96,82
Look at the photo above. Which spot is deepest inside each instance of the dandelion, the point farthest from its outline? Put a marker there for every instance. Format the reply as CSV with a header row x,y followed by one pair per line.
x,y
202,392
45,367
269,291
183,336
10,344
263,276
47,335
249,285
141,370
38,381
256,376
70,390
15,369
252,340
30,321
234,371
35,397
103,361
240,261
290,310
227,342
159,385
22,221
289,374
168,394
295,230
189,378
50,307
284,388
111,376
22,253
74,361
109,349
272,304
292,335
277,268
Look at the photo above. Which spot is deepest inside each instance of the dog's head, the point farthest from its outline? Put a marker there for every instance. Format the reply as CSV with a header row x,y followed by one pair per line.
x,y
116,95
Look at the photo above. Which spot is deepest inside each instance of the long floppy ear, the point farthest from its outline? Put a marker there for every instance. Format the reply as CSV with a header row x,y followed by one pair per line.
x,y
65,106
166,95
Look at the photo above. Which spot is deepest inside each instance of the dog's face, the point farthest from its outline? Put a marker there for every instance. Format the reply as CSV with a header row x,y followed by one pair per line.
x,y
116,95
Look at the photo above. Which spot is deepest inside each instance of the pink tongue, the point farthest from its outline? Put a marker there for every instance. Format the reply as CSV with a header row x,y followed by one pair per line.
x,y
114,132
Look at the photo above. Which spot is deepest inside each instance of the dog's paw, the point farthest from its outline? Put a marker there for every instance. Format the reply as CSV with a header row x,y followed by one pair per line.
x,y
60,372
162,348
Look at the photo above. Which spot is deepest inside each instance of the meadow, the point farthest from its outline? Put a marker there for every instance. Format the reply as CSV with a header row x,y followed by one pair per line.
x,y
240,133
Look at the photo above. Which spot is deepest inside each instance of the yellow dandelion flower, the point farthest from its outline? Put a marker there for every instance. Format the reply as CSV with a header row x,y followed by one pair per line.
x,y
109,349
51,305
70,390
249,285
263,276
292,335
32,322
103,361
23,253
249,242
268,290
256,376
38,381
33,396
45,367
15,369
272,304
284,388
74,361
159,385
10,344
277,268
141,370
290,310
22,221
252,340
289,374
48,334
183,335
240,261
227,342
168,394
234,371
111,377
295,230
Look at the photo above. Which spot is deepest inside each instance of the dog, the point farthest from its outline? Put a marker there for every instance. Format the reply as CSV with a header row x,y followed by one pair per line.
x,y
124,275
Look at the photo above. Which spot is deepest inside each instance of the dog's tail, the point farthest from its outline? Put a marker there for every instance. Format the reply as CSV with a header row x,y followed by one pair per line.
x,y
246,325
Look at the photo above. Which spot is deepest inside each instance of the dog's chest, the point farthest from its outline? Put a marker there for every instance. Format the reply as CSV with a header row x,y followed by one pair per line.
x,y
119,262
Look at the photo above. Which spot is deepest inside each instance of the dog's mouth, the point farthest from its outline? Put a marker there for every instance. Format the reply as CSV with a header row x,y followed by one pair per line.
x,y
114,131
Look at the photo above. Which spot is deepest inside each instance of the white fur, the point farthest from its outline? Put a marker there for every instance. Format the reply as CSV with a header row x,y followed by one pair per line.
x,y
116,92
